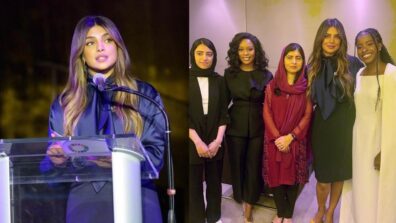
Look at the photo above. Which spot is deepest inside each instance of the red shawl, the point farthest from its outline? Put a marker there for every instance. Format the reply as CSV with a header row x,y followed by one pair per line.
x,y
288,112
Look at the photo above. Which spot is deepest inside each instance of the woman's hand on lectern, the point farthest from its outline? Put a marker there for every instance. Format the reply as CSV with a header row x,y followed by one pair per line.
x,y
57,155
55,152
101,161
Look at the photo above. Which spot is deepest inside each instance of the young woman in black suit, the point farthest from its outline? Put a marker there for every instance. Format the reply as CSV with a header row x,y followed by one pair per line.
x,y
246,78
207,124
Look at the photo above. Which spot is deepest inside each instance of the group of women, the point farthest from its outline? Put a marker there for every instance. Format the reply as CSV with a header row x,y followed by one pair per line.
x,y
270,122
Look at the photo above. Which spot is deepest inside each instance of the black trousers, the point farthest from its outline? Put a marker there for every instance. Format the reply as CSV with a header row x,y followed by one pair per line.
x,y
245,156
212,170
285,197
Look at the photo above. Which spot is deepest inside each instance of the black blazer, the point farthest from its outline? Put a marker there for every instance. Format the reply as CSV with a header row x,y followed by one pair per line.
x,y
206,126
354,65
246,90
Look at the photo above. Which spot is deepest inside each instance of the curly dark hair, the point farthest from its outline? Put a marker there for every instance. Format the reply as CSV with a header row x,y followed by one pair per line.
x,y
260,60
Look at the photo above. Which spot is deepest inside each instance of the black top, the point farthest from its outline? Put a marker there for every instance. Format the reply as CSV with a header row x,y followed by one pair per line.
x,y
327,90
246,90
332,136
95,121
206,126
354,65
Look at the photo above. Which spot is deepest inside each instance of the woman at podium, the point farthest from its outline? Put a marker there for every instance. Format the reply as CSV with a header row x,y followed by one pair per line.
x,y
98,48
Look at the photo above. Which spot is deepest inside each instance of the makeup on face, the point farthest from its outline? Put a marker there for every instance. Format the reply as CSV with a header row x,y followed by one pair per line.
x,y
100,51
331,42
367,50
246,53
293,62
203,56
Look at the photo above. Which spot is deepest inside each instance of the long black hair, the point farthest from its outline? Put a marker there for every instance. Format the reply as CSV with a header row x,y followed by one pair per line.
x,y
383,54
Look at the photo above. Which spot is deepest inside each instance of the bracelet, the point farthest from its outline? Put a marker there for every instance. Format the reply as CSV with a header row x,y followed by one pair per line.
x,y
217,142
293,136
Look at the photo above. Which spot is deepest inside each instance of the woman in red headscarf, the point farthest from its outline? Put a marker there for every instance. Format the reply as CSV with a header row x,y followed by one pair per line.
x,y
287,114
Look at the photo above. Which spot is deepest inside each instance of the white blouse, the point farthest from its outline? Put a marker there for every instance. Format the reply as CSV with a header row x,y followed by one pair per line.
x,y
204,87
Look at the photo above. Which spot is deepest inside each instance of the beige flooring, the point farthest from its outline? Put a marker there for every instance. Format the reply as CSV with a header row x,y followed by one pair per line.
x,y
264,212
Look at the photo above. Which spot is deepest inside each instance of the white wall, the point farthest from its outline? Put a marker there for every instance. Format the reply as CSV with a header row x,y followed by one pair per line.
x,y
218,21
279,22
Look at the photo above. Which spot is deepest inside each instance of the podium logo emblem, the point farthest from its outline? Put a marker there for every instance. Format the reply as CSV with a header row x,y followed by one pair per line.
x,y
78,147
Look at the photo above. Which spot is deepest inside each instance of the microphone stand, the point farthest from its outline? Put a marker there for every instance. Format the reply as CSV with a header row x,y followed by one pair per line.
x,y
171,188
107,102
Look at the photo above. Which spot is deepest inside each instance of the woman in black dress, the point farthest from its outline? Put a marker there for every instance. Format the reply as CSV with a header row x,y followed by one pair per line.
x,y
246,78
207,123
331,84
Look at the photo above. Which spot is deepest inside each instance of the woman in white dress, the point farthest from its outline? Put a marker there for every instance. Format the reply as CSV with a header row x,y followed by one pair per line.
x,y
370,196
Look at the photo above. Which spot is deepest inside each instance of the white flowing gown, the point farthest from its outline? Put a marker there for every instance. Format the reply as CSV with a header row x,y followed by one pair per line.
x,y
370,196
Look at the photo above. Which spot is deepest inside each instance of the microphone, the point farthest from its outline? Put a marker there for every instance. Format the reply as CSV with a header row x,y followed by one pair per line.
x,y
171,188
99,80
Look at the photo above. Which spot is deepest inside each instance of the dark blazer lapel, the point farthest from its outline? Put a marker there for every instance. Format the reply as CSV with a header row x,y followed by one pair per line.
x,y
213,102
196,102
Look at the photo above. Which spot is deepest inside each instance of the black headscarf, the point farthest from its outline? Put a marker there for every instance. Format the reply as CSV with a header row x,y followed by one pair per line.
x,y
195,70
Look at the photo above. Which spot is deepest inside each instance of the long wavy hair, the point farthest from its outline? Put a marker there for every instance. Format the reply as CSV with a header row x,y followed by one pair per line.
x,y
315,59
383,54
260,59
73,98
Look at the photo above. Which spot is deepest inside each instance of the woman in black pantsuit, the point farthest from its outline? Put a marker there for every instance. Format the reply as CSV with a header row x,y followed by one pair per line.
x,y
246,78
207,124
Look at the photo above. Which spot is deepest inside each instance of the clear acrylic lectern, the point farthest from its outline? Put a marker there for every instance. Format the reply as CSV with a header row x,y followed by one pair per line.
x,y
32,189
